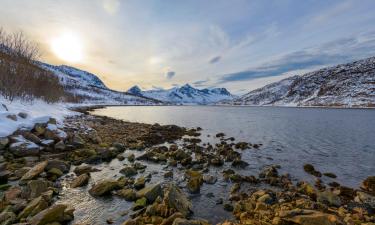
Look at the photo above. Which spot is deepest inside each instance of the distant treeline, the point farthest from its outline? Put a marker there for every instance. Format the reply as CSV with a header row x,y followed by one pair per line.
x,y
20,77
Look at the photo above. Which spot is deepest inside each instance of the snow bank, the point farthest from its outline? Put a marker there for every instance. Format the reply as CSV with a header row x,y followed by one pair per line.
x,y
37,112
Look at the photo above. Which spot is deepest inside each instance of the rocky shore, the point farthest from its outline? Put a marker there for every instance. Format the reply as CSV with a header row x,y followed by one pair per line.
x,y
36,164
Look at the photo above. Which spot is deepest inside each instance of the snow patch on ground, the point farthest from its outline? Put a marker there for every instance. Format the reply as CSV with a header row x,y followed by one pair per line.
x,y
37,111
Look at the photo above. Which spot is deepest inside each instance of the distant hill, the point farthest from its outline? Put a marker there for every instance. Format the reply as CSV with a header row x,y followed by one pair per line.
x,y
346,85
185,95
88,88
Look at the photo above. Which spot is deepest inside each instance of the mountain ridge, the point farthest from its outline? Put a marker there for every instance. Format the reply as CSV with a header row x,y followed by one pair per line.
x,y
185,94
345,85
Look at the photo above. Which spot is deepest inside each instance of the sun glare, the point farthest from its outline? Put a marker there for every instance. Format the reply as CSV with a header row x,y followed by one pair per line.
x,y
68,47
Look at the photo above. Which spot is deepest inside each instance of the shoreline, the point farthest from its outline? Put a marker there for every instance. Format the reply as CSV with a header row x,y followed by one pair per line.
x,y
96,140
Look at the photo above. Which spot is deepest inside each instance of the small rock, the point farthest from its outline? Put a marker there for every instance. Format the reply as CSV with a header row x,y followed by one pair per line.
x,y
80,181
140,183
56,213
369,185
84,169
128,194
168,174
151,192
228,207
103,187
35,171
4,141
140,203
129,171
209,179
12,117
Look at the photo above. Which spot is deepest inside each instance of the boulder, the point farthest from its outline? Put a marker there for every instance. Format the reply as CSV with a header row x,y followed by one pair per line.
x,y
35,171
194,185
309,217
60,146
369,185
103,187
21,147
129,171
328,198
34,207
175,198
58,213
209,179
239,163
7,217
4,175
140,203
311,170
84,169
139,183
4,141
31,137
12,117
37,187
59,164
128,194
181,221
23,115
80,181
151,192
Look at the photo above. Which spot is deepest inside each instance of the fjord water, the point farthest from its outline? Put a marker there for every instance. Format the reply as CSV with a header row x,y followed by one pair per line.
x,y
341,141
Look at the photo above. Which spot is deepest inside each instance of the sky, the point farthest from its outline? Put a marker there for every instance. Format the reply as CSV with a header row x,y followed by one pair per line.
x,y
238,44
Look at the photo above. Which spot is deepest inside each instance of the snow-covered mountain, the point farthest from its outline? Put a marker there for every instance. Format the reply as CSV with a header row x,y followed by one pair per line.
x,y
88,88
185,95
346,85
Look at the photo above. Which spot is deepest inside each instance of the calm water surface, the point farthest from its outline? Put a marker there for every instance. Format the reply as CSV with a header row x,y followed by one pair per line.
x,y
334,140
341,141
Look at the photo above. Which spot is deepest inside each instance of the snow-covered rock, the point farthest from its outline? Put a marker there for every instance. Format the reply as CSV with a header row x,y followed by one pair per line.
x,y
88,88
346,85
185,94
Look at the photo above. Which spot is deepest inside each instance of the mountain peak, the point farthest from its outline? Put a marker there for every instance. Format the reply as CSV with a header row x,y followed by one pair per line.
x,y
135,90
187,86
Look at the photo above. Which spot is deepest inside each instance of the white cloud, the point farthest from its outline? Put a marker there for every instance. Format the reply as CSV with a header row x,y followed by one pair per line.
x,y
111,6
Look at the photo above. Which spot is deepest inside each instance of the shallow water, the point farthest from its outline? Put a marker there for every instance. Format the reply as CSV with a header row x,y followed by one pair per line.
x,y
341,141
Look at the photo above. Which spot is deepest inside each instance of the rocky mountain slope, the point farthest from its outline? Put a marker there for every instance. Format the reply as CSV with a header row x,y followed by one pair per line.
x,y
87,87
346,85
185,95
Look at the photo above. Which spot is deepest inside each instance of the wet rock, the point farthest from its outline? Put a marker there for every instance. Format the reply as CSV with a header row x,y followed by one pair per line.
x,y
7,217
328,198
209,179
12,193
58,213
4,175
269,172
103,187
35,171
59,164
369,185
241,145
331,175
180,221
35,206
219,135
140,203
311,170
131,158
37,187
309,217
150,192
217,161
194,185
228,207
129,171
170,219
81,180
4,141
128,194
60,146
168,174
84,169
140,183
120,157
239,163
175,198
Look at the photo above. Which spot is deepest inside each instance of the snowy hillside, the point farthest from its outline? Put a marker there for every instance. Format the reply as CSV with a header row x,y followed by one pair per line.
x,y
347,85
90,89
185,95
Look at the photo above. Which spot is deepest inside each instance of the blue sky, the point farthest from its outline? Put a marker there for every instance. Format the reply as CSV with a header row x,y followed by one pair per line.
x,y
237,44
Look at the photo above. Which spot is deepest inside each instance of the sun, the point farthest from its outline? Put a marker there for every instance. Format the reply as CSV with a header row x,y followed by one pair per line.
x,y
68,47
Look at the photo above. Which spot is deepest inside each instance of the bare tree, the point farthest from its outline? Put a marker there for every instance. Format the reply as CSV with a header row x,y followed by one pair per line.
x,y
20,76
